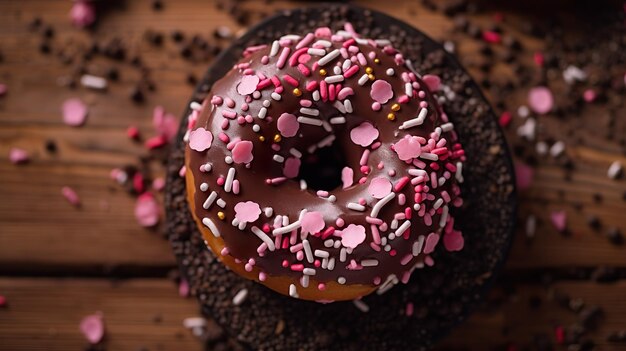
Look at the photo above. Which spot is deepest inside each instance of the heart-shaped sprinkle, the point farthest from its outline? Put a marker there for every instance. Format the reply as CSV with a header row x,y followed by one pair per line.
x,y
248,211
288,125
200,139
352,236
312,222
379,187
74,112
242,152
381,91
364,135
248,84
407,148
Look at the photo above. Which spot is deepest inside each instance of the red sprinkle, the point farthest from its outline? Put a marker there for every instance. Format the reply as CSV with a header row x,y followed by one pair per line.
x,y
156,142
133,132
505,119
538,58
311,86
351,71
328,232
401,184
491,37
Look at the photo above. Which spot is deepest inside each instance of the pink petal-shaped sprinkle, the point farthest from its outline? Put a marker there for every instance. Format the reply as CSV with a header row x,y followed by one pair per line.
x,y
248,84
291,168
540,100
147,210
70,195
453,241
242,152
248,211
364,134
381,91
18,156
523,175
407,148
74,112
92,327
200,139
288,125
431,242
432,81
83,13
347,177
379,187
559,220
352,235
312,222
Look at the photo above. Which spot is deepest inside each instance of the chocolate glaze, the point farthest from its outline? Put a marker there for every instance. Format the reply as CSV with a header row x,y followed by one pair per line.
x,y
287,198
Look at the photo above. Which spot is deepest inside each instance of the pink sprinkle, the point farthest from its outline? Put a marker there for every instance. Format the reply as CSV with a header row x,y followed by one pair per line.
x,y
223,137
304,70
323,32
200,139
18,156
453,241
70,195
407,148
403,99
312,222
347,176
74,112
339,222
216,100
524,175
248,211
540,99
158,184
182,171
292,167
147,210
433,82
165,124
83,13
351,71
538,58
242,152
559,220
408,311
236,187
352,236
379,187
505,119
401,184
364,134
376,106
344,93
288,125
491,37
381,91
310,86
92,327
183,288
291,80
248,84
283,57
132,132
431,242
589,95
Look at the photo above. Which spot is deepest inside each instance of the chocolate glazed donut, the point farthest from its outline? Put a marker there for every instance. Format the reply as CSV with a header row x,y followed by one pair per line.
x,y
323,167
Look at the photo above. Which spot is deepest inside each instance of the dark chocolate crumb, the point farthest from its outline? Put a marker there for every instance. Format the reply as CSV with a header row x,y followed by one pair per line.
x,y
615,236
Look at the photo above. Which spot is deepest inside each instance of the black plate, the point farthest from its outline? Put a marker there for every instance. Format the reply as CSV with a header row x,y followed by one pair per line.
x,y
442,295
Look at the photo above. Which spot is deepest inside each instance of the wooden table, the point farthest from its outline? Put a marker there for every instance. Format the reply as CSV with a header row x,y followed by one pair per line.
x,y
59,263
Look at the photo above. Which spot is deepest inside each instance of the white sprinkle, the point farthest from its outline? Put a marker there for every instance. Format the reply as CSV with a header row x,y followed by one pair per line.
x,y
324,43
419,120
328,243
346,64
266,239
348,105
269,212
310,111
240,297
316,95
310,121
418,245
221,203
256,128
361,306
204,187
405,226
531,226
331,261
292,291
337,70
459,172
295,153
228,160
228,185
417,172
542,148
275,48
523,111
195,106
334,79
93,82
331,198
328,140
382,42
344,34
356,207
276,96
557,149
615,170
307,251
256,94
327,127
286,229
208,167
382,202
528,129
292,37
329,57
303,185
444,216
446,127
341,280
572,74
438,203
339,106
209,224
390,72
278,158
369,263
308,271
429,156
194,322
394,224
209,201
338,120
342,255
304,281
316,52
267,103
262,112
408,89
364,78
321,253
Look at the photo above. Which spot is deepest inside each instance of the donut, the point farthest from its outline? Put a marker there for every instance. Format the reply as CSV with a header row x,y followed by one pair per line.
x,y
323,167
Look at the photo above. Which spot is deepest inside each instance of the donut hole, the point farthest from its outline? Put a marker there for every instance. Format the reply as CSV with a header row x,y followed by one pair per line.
x,y
322,169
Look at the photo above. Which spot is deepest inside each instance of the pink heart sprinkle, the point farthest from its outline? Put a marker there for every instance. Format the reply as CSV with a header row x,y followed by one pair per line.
x,y
147,210
248,84
453,241
83,14
364,135
70,195
92,327
381,91
74,112
242,152
288,125
352,236
431,242
540,100
347,177
312,222
432,81
379,187
200,139
292,167
248,211
407,148
523,175
559,220
18,156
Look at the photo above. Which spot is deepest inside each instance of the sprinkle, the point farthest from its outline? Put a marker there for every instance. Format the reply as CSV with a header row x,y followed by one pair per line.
x,y
212,227
382,202
540,100
364,134
264,237
356,207
240,297
559,220
311,121
297,92
444,216
316,52
248,84
221,203
364,78
615,170
419,120
93,82
341,280
292,291
276,96
405,225
334,79
221,215
338,120
248,211
18,156
74,112
200,140
310,111
229,179
361,306
381,91
92,326
328,57
283,57
209,201
429,156
286,229
278,158
72,197
307,251
369,263
352,236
